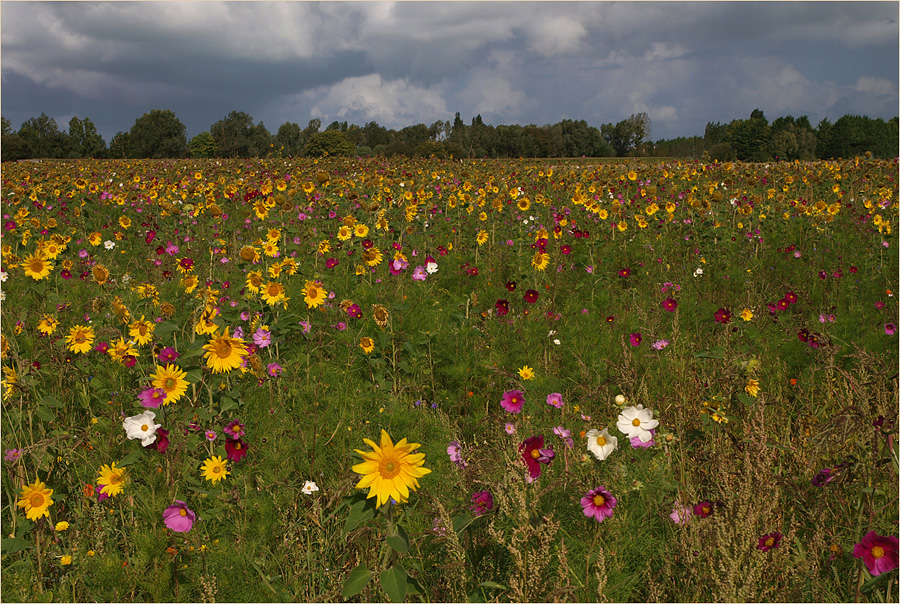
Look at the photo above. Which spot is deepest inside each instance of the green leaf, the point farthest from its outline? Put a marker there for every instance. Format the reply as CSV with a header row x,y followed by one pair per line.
x,y
358,579
165,329
51,401
492,585
461,522
716,352
413,587
132,457
193,352
410,348
362,510
193,375
393,582
402,306
44,413
869,585
11,545
400,541
746,398
227,404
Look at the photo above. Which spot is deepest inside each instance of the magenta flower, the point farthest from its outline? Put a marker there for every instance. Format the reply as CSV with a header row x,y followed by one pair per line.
x,y
637,444
162,441
235,450
890,329
234,429
354,311
635,339
262,337
211,435
703,509
455,453
770,541
12,454
681,514
513,400
274,369
879,553
152,398
534,454
669,304
555,400
167,355
419,273
822,477
482,502
598,504
723,316
178,517
331,263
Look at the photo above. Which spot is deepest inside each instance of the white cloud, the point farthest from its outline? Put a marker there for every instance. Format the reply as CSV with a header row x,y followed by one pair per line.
x,y
556,36
876,85
661,50
487,93
663,114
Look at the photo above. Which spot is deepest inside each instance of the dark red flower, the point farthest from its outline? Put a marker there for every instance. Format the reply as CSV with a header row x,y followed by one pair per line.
x,y
703,509
534,454
331,263
783,304
162,441
235,450
624,272
566,249
531,296
791,297
186,263
610,319
803,335
723,316
770,541
669,304
502,307
149,237
511,286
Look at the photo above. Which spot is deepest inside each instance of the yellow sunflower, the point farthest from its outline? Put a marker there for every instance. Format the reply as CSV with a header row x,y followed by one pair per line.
x,y
224,353
289,265
249,254
540,261
190,283
254,281
344,233
273,293
314,294
142,331
171,379
48,325
215,469
36,499
367,344
372,256
482,237
526,372
122,349
112,479
37,266
100,274
80,339
361,230
381,315
10,379
390,471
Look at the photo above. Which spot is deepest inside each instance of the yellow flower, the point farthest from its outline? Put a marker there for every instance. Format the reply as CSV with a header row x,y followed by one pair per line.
x,y
249,254
48,325
622,226
390,471
752,387
36,499
171,379
313,294
324,246
142,331
361,230
526,372
367,344
61,526
80,339
112,479
254,281
190,283
95,238
273,293
344,233
215,469
482,237
540,261
121,349
224,353
37,266
124,222
381,315
66,560
746,314
372,256
100,274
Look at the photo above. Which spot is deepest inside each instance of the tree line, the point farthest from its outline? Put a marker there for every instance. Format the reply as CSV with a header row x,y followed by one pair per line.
x,y
160,134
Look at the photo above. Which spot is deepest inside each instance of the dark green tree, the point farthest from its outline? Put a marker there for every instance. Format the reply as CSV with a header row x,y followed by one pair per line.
x,y
203,145
84,140
330,142
232,135
289,140
158,134
118,146
43,138
626,136
260,141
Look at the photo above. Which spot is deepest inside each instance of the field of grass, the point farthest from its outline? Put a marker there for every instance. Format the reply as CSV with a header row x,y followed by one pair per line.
x,y
630,381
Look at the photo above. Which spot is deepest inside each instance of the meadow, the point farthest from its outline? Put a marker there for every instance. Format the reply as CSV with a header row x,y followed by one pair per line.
x,y
436,380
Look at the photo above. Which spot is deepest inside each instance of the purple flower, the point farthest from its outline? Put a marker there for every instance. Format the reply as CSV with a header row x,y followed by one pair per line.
x,y
354,311
234,429
822,477
510,428
152,398
419,273
555,400
178,517
455,453
482,502
636,339
890,329
513,400
722,316
770,541
262,337
637,444
306,325
167,355
211,435
534,454
274,369
238,332
681,514
12,454
598,504
562,432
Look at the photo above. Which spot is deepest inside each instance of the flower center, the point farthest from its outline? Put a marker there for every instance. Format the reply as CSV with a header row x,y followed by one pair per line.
x,y
115,478
274,290
770,541
216,469
601,441
169,384
514,400
144,428
237,446
877,552
142,329
37,266
535,454
182,512
389,467
80,338
37,500
223,350
636,422
599,500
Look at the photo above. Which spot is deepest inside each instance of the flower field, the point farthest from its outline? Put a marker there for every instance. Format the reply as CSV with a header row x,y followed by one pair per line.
x,y
432,380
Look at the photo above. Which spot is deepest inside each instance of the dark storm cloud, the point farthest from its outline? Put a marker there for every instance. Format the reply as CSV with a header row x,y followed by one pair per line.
x,y
409,62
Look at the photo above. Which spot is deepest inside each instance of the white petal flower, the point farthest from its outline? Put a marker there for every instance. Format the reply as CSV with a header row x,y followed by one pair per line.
x,y
309,487
431,268
142,426
109,244
601,444
637,421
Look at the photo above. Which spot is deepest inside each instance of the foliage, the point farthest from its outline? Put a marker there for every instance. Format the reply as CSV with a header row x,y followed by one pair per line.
x,y
202,145
329,142
158,134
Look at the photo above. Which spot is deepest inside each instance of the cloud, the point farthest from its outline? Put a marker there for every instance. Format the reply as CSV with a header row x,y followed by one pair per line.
x,y
876,86
661,50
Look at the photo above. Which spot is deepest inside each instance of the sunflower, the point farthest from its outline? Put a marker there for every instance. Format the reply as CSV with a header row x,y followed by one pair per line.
x,y
249,254
224,353
172,380
361,230
124,222
367,344
190,283
270,249
95,239
100,274
324,246
37,266
10,379
214,469
52,249
121,349
313,294
540,261
344,233
372,256
36,499
390,471
80,339
48,325
205,325
752,387
112,479
524,204
482,237
381,315
142,331
289,265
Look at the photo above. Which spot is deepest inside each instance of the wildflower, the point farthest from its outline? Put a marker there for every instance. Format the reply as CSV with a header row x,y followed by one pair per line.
x,y
601,444
455,453
314,294
769,542
512,401
501,307
598,504
262,337
390,471
66,560
637,422
162,440
531,296
12,454
381,315
823,477
722,316
752,387
619,400
224,353
61,526
309,487
235,450
510,428
171,380
167,355
703,509
419,273
111,480
526,372
37,266
210,435
48,325
214,469
534,454
635,339
178,517
890,329
681,514
80,339
36,499
746,314
274,369
879,553
698,272
152,398
482,502
659,344
555,400
669,304
142,427
109,244
431,268
234,429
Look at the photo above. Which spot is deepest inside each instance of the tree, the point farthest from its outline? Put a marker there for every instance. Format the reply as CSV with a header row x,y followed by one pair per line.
x,y
158,134
232,134
374,135
203,145
289,139
43,138
118,146
260,141
627,135
749,138
84,140
7,125
330,142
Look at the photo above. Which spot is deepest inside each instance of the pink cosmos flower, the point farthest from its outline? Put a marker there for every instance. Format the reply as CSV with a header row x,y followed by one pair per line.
x,y
635,339
598,504
513,400
681,514
534,454
262,337
152,398
482,502
879,553
555,400
274,369
510,428
419,273
178,517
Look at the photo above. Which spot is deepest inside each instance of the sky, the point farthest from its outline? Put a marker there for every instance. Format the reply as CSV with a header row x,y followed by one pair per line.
x,y
404,63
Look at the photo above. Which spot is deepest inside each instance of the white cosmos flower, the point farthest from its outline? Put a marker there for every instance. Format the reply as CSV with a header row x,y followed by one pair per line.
x,y
3,276
109,244
309,487
142,427
601,444
431,268
637,421
698,272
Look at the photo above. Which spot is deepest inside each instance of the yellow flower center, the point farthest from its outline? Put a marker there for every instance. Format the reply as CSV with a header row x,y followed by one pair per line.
x,y
601,441
514,400
145,427
37,265
636,422
80,338
182,512
274,290
535,453
216,469
237,446
169,384
389,467
877,552
312,292
116,478
599,500
36,500
770,541
223,349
